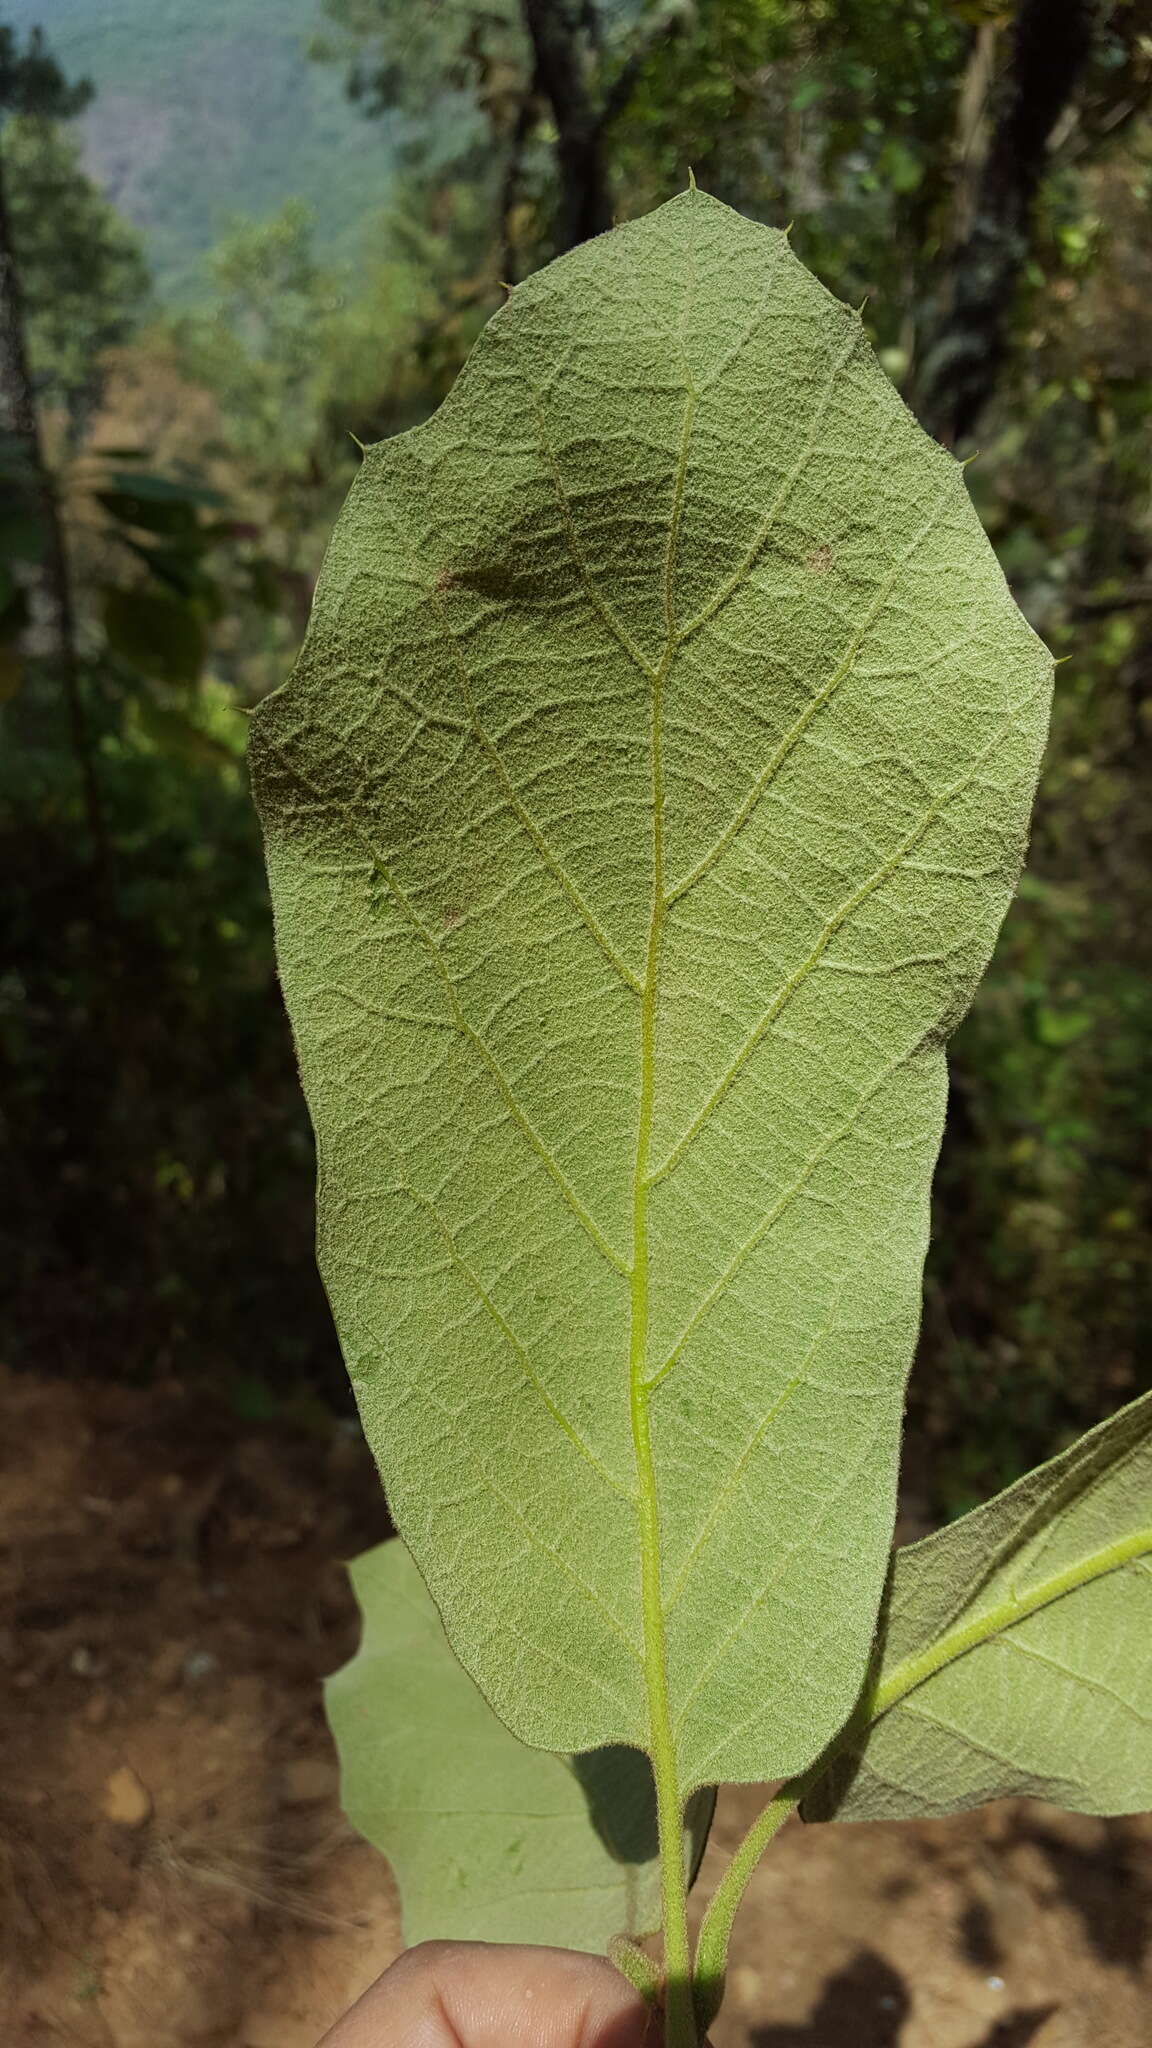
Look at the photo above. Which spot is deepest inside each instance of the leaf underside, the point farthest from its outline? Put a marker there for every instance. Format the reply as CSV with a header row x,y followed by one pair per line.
x,y
488,1840
1054,1697
640,817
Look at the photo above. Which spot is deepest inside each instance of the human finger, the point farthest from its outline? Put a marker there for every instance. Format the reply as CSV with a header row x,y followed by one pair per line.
x,y
447,1994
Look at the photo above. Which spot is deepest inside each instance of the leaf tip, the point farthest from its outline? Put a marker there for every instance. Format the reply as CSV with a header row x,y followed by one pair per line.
x,y
691,179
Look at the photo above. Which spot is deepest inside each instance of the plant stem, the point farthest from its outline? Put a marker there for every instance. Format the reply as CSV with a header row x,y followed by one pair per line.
x,y
712,1946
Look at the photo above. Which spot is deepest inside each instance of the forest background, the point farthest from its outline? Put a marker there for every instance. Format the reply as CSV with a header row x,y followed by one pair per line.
x,y
313,209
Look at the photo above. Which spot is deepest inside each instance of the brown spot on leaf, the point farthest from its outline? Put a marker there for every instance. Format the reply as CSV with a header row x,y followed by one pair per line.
x,y
820,560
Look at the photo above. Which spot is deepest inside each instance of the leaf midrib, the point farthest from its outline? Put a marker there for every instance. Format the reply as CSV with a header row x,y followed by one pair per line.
x,y
913,1672
662,1741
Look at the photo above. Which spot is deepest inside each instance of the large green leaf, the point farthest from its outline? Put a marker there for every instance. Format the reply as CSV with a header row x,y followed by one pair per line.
x,y
1018,1648
488,1840
640,817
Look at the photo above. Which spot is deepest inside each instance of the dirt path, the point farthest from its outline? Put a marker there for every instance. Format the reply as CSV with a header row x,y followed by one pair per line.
x,y
174,1869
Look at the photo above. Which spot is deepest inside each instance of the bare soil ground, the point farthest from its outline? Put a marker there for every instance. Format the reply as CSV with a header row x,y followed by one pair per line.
x,y
174,1868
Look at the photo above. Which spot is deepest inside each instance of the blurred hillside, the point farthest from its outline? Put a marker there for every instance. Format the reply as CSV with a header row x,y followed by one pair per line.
x,y
205,113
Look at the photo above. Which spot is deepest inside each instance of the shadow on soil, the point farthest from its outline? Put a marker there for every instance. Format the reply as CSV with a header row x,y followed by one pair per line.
x,y
1102,1885
866,2004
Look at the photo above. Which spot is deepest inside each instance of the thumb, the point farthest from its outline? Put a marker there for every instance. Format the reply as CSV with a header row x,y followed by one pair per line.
x,y
464,1994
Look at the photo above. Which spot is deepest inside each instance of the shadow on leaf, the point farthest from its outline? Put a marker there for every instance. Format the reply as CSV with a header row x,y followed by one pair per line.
x,y
618,1785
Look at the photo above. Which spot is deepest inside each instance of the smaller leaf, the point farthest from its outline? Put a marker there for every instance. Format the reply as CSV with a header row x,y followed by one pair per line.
x,y
157,634
166,489
264,585
16,465
488,1840
162,505
176,566
21,534
11,673
13,604
178,736
166,515
1018,1649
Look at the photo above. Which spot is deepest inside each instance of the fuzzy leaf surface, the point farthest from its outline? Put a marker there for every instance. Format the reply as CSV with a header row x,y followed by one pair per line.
x,y
1051,1699
488,1840
640,817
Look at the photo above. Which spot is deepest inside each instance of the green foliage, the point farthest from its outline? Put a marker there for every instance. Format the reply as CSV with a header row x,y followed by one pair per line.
x,y
158,1165
702,100
152,1131
457,69
160,1170
301,353
1040,1279
32,83
488,1840
271,345
156,632
84,281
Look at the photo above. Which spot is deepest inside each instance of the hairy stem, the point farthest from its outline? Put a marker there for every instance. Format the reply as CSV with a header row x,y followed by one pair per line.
x,y
712,1946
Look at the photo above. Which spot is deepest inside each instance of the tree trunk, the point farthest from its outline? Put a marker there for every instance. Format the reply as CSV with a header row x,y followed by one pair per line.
x,y
585,198
53,623
1050,44
522,132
